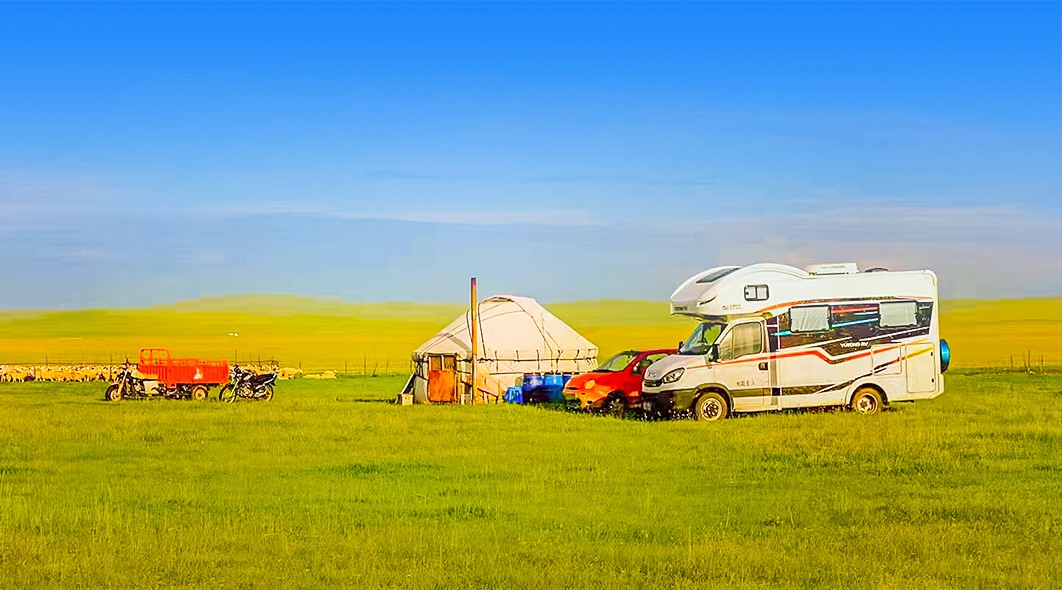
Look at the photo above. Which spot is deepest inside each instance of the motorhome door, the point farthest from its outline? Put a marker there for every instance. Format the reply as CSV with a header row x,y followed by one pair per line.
x,y
744,365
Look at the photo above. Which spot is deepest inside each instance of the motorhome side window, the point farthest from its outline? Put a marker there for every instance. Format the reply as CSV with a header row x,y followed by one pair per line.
x,y
898,314
809,318
755,292
742,340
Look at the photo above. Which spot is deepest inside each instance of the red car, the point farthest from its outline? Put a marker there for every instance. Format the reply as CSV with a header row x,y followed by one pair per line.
x,y
615,386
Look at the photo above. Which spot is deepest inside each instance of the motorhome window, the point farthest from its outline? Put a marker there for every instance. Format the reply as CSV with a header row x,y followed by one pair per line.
x,y
809,318
755,292
748,339
898,314
715,276
726,347
701,339
741,340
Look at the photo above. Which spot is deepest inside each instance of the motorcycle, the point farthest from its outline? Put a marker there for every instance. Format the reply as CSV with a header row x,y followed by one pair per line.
x,y
126,385
248,385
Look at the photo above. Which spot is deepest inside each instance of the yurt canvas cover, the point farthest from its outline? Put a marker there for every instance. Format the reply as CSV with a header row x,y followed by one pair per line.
x,y
516,336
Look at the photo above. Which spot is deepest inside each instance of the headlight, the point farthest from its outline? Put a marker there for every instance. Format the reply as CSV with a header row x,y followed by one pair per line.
x,y
590,384
673,376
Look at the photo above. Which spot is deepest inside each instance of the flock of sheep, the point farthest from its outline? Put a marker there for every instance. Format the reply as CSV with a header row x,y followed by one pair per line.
x,y
57,373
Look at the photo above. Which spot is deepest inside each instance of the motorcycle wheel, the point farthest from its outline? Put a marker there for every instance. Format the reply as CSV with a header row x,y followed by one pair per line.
x,y
266,394
114,393
227,393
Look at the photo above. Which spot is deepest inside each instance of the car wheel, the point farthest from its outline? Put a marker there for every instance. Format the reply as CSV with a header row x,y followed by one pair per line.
x,y
615,405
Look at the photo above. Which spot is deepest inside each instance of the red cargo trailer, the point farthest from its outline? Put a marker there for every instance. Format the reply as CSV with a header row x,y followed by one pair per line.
x,y
158,373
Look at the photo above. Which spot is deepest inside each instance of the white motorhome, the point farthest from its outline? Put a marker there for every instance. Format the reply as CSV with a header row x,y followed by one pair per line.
x,y
774,337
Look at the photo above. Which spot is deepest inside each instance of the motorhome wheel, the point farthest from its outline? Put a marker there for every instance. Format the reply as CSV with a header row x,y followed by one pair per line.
x,y
710,406
866,401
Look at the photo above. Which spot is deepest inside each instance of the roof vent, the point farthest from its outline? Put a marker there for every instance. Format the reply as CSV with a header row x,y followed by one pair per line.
x,y
836,268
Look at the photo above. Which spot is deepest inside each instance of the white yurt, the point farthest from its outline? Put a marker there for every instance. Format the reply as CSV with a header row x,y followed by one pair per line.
x,y
516,336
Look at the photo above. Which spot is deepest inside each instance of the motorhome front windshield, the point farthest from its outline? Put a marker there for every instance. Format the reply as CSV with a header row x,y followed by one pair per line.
x,y
702,338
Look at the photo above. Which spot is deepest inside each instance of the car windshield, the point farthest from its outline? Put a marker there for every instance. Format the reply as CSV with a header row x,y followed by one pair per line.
x,y
702,338
618,362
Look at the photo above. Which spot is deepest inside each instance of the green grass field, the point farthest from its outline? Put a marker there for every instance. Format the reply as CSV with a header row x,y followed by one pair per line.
x,y
321,334
326,486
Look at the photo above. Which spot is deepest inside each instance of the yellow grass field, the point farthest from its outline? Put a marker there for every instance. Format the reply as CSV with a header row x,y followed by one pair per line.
x,y
319,334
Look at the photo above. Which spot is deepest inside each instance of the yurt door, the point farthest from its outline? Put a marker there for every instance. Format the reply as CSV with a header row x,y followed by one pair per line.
x,y
442,378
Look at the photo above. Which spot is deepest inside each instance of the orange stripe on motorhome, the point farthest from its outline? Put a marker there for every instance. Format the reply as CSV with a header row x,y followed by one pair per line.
x,y
817,352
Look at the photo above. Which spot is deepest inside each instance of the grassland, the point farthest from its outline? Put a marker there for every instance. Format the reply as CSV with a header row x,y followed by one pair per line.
x,y
331,334
326,487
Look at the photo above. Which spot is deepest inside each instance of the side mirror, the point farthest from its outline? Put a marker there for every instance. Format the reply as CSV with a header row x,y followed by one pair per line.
x,y
713,353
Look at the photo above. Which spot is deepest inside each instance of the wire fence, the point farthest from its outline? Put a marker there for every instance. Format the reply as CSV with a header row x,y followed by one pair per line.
x,y
106,364
96,367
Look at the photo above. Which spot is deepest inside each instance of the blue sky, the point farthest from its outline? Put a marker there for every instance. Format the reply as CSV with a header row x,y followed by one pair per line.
x,y
151,152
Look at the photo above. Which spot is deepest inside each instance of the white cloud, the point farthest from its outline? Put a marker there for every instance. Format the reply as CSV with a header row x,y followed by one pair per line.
x,y
33,200
456,216
976,251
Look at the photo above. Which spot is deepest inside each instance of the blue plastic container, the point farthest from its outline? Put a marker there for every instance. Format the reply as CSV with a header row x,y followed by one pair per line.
x,y
555,385
514,395
533,382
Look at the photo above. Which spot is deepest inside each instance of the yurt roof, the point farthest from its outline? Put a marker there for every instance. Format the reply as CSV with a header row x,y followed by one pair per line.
x,y
510,327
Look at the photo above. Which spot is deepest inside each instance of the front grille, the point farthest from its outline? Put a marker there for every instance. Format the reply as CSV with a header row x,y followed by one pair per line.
x,y
651,383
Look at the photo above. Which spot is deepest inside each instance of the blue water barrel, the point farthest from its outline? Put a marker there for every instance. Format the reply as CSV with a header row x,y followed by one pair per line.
x,y
514,395
555,385
533,382
945,355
